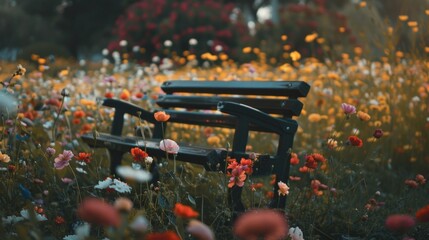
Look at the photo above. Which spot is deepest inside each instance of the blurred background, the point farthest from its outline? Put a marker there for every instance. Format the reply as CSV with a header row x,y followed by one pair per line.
x,y
81,29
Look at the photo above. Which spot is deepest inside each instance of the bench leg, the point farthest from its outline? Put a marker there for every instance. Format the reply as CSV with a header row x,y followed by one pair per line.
x,y
115,160
234,200
281,169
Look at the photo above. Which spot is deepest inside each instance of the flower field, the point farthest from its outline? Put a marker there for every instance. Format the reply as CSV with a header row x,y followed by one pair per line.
x,y
360,159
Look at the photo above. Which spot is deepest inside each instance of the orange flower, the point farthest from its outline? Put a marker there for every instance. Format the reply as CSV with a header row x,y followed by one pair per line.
x,y
161,116
181,210
83,156
168,235
422,215
125,95
79,114
109,95
138,154
294,160
363,116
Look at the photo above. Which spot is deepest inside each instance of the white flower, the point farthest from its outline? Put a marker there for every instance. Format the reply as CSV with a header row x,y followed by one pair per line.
x,y
25,214
123,43
81,170
136,48
120,187
11,219
138,175
168,43
82,231
218,48
296,233
148,160
193,41
105,52
140,224
104,184
71,237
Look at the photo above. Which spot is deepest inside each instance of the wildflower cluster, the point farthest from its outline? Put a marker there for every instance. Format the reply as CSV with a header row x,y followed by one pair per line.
x,y
238,172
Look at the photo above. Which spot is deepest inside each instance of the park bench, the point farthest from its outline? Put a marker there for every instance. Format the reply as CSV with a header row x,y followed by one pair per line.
x,y
262,106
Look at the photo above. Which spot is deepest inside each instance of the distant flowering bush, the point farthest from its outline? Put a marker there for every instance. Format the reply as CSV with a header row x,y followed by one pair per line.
x,y
166,26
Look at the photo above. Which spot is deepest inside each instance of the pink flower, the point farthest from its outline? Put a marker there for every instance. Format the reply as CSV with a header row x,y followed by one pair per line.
x,y
169,146
199,230
97,211
63,159
399,223
283,188
66,180
261,224
348,109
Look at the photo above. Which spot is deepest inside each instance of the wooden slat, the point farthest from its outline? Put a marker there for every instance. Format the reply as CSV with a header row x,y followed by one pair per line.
x,y
292,89
290,107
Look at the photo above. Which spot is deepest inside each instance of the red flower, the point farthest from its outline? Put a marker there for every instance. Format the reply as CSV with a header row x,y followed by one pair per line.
x,y
378,133
294,160
79,114
59,220
355,141
411,183
181,210
261,223
85,157
422,215
109,95
168,235
97,211
399,223
138,154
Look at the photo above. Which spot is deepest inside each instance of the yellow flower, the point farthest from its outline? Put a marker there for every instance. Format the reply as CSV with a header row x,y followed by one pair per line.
x,y
295,56
403,18
213,140
412,23
247,50
311,37
4,158
314,117
363,116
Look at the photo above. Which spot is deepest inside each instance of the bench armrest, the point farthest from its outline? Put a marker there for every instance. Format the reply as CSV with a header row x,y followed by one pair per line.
x,y
123,107
258,117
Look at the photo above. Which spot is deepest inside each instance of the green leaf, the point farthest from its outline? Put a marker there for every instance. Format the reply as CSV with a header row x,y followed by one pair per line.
x,y
192,200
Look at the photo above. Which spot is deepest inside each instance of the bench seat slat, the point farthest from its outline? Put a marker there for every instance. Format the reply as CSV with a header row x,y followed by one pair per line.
x,y
292,89
214,120
290,107
211,159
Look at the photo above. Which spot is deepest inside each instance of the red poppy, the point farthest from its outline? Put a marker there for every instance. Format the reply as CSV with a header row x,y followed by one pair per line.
x,y
138,154
97,211
181,210
422,215
355,141
411,183
399,223
83,156
168,235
